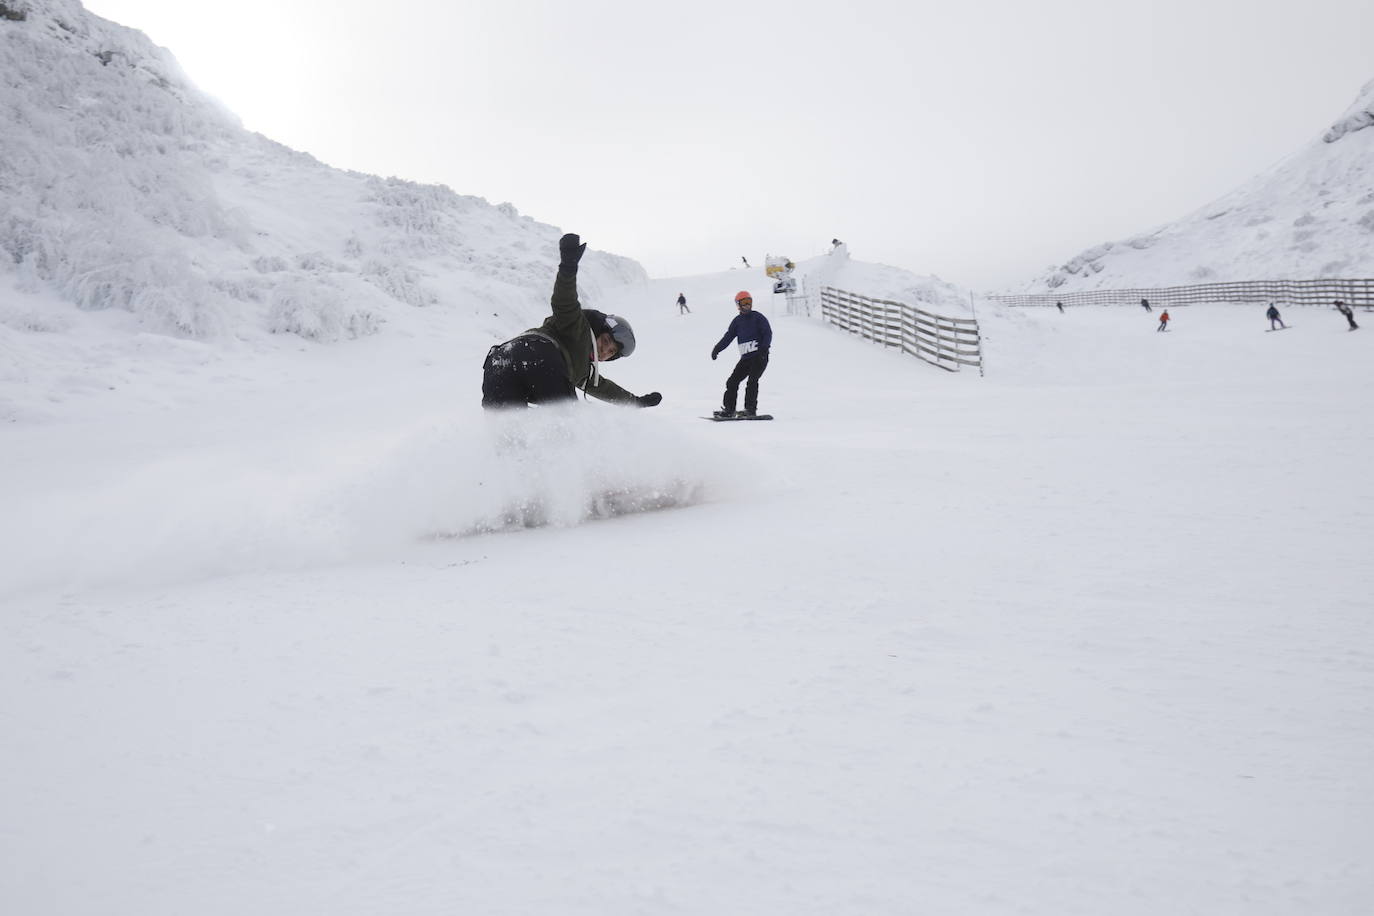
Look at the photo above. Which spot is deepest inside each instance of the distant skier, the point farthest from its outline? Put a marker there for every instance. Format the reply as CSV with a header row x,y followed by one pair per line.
x,y
1060,306
755,339
1348,313
745,260
548,364
1145,304
1163,321
1273,316
682,308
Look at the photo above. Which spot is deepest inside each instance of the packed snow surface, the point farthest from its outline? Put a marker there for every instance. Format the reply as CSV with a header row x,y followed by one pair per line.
x,y
288,625
1089,634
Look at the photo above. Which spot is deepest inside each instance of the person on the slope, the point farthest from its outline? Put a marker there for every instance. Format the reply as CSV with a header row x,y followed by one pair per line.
x,y
1145,304
754,338
548,364
1348,313
1274,319
1163,321
1060,306
682,308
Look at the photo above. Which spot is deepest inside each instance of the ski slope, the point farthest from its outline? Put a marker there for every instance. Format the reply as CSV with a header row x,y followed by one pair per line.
x,y
1088,635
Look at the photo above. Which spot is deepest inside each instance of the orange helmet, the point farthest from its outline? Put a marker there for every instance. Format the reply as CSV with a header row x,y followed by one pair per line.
x,y
742,295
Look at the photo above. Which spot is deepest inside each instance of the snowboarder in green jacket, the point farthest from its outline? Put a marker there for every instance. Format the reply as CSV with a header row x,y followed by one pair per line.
x,y
564,354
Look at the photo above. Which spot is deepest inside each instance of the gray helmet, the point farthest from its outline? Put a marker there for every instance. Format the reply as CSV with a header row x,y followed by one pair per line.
x,y
624,335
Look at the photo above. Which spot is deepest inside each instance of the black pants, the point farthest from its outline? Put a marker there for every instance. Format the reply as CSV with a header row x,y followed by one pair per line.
x,y
526,370
749,367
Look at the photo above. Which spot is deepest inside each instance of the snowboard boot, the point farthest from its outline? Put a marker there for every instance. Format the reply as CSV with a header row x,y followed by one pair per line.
x,y
723,414
748,414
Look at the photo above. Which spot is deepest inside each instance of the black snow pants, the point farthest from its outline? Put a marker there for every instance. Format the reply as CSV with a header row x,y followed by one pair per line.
x,y
749,367
525,370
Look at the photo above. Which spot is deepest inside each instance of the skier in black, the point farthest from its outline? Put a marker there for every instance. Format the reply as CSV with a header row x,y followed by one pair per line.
x,y
1060,306
1273,316
1349,314
1145,304
682,308
755,339
551,362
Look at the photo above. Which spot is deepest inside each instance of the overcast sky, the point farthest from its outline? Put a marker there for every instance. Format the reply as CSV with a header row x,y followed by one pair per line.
x,y
979,141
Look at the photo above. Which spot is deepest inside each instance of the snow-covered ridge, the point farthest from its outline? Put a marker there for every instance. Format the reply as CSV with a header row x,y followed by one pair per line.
x,y
1309,217
125,187
1360,116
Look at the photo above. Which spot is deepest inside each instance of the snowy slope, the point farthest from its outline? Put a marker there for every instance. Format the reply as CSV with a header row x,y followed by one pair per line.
x,y
1087,635
879,281
127,191
147,237
1311,216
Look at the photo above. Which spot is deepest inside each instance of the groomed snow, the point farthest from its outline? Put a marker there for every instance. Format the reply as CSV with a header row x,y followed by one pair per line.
x,y
289,626
1088,635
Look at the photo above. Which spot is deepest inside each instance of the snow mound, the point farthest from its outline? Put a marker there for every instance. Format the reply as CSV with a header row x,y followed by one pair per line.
x,y
881,281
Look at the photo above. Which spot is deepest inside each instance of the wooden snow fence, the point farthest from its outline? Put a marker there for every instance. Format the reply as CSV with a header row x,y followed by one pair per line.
x,y
1354,293
945,342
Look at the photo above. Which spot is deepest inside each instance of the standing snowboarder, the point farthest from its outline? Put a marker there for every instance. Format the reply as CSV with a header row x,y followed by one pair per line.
x,y
755,338
682,308
1348,313
550,363
1273,316
1163,321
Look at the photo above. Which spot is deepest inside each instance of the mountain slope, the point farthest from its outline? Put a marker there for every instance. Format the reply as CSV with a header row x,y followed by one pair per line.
x,y
1311,216
124,187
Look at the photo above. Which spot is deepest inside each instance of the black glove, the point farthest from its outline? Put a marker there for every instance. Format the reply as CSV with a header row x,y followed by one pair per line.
x,y
570,249
715,353
649,400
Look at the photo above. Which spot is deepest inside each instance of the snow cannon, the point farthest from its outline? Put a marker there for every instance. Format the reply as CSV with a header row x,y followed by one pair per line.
x,y
779,269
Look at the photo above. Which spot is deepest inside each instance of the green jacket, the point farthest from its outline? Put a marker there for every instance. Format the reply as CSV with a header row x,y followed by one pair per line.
x,y
568,327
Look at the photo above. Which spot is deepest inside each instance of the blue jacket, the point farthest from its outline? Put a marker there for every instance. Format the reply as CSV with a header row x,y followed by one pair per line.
x,y
753,332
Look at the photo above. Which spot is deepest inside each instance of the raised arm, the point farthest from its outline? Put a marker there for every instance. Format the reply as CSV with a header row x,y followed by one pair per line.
x,y
567,311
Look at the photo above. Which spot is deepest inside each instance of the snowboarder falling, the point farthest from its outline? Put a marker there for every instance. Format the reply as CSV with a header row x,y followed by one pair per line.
x,y
755,338
1348,313
550,363
1163,320
1274,319
682,308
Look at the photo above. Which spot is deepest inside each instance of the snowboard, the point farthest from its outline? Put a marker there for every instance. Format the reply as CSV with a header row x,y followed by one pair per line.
x,y
1284,328
762,416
